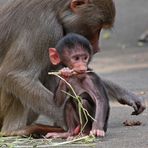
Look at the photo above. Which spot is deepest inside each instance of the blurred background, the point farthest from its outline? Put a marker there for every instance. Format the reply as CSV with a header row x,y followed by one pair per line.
x,y
131,21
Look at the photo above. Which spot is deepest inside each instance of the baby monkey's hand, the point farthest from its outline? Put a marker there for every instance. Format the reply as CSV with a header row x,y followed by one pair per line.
x,y
66,72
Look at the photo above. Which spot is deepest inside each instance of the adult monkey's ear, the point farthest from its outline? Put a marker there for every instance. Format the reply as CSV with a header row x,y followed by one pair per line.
x,y
76,3
54,56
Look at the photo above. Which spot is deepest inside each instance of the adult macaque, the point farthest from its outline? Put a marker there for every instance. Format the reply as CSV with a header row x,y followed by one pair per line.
x,y
27,29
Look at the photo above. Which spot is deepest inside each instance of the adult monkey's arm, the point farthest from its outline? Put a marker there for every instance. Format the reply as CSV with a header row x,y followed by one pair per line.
x,y
125,97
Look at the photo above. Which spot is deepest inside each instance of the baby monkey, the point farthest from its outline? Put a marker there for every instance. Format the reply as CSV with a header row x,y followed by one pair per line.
x,y
71,56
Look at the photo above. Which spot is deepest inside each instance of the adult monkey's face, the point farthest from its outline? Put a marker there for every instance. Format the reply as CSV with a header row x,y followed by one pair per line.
x,y
88,17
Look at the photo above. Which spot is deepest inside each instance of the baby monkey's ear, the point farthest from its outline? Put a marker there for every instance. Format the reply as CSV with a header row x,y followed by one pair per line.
x,y
54,56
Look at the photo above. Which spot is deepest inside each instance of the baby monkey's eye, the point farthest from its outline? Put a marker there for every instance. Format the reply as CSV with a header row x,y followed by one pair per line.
x,y
86,57
76,58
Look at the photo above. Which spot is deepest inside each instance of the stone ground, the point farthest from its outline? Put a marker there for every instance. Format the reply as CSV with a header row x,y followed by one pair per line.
x,y
124,61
